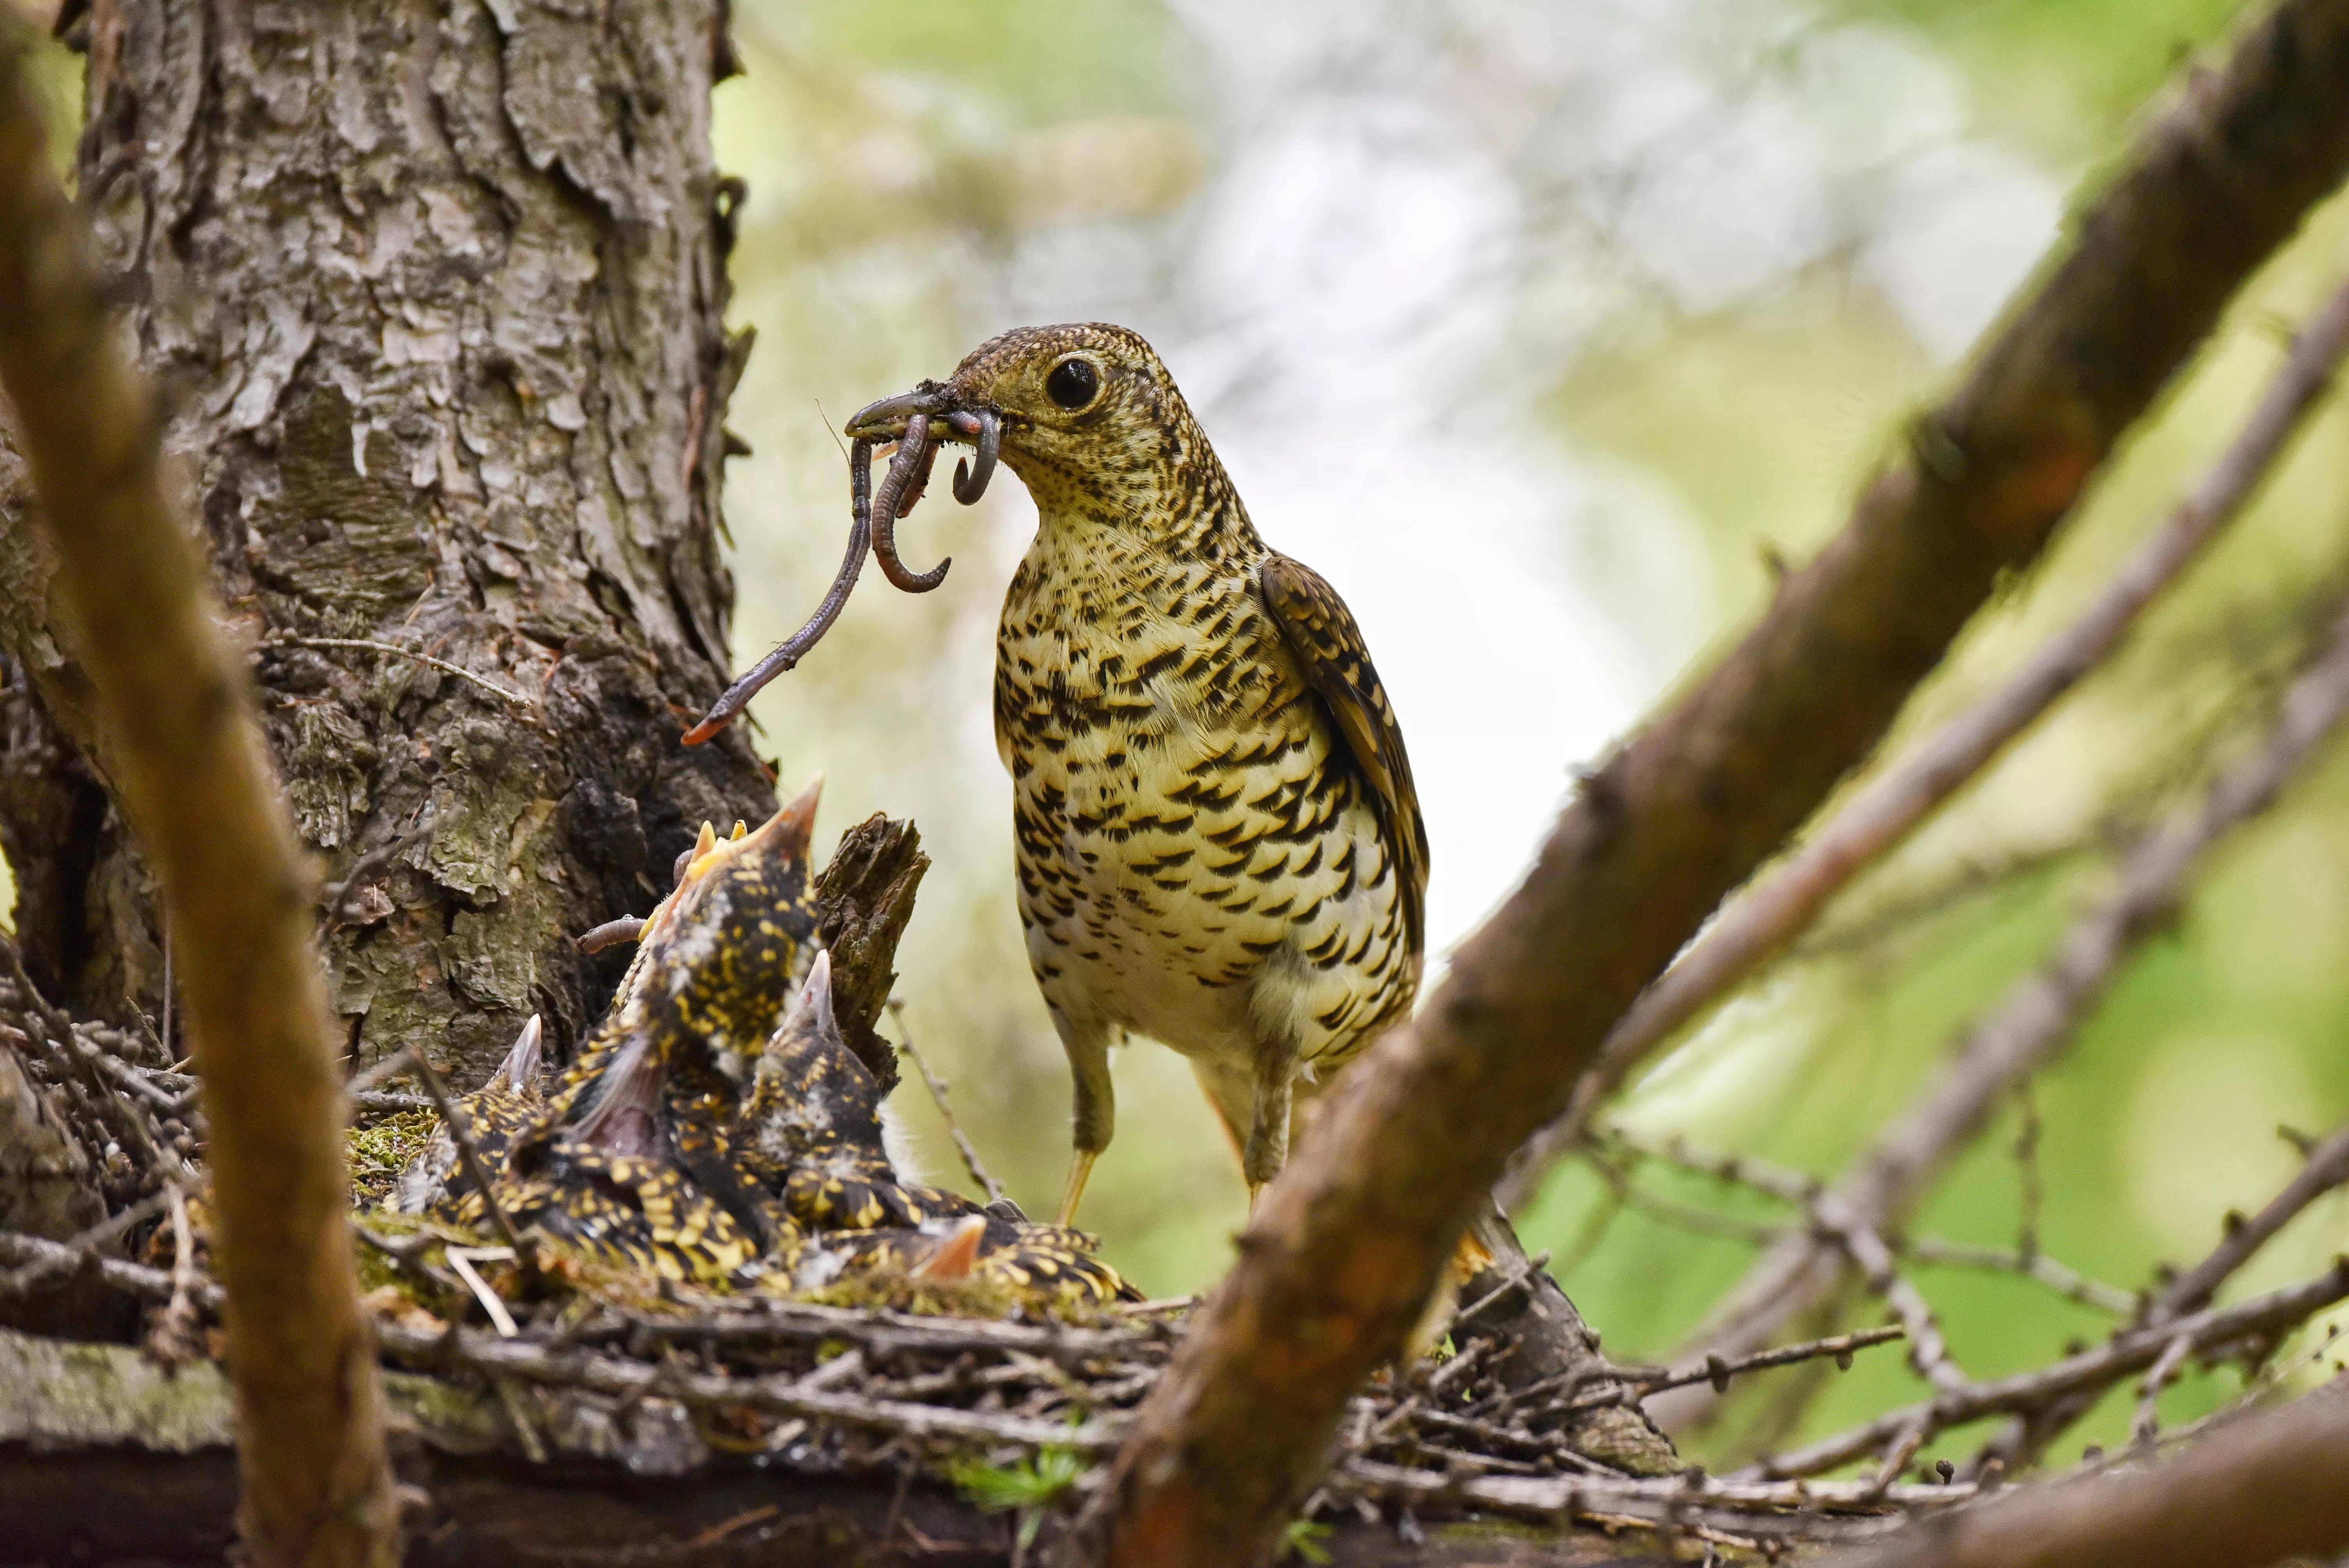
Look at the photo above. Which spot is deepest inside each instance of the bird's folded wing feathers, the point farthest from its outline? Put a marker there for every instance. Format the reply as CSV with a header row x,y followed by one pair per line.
x,y
1320,630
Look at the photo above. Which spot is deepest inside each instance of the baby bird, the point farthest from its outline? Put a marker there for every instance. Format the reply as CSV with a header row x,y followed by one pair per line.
x,y
1219,843
812,1132
628,1158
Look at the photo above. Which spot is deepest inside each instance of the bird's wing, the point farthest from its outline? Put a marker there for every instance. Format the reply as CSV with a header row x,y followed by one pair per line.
x,y
1320,630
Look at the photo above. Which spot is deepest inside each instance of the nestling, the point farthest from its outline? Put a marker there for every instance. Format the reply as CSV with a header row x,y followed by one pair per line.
x,y
1219,843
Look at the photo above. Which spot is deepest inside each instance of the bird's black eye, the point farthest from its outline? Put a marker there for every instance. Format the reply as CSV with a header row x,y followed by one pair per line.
x,y
1072,384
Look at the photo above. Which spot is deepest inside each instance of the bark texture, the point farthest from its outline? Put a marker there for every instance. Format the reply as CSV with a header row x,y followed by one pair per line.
x,y
1344,1247
436,295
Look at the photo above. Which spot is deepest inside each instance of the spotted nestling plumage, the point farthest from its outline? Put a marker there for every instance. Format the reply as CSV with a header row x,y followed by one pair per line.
x,y
717,1129
1218,843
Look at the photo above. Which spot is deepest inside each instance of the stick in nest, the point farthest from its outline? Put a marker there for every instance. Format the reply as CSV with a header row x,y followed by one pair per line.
x,y
462,1136
979,1171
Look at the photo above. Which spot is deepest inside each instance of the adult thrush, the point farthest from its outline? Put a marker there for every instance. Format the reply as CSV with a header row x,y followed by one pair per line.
x,y
1219,843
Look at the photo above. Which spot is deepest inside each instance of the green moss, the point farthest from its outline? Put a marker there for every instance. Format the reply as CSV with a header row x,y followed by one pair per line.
x,y
382,1148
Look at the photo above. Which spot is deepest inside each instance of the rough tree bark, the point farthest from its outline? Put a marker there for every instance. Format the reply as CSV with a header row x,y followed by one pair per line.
x,y
436,295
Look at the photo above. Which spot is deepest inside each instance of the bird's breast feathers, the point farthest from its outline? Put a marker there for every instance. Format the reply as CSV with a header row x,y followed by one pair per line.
x,y
1195,857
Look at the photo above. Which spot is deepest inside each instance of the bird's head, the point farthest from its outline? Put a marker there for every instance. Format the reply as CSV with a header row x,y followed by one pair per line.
x,y
721,955
1084,412
809,1087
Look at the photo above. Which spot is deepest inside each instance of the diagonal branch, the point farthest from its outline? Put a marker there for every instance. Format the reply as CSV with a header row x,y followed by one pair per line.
x,y
194,781
2038,1017
1782,906
1345,1246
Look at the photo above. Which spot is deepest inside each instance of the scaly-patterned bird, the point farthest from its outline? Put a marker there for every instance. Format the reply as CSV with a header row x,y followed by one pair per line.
x,y
1218,843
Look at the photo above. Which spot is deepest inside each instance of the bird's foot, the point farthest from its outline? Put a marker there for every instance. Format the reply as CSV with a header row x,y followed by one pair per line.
x,y
1080,1170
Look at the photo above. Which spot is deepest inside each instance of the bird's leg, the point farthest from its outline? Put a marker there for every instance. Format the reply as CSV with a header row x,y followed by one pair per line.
x,y
1096,1105
1267,1140
1073,1192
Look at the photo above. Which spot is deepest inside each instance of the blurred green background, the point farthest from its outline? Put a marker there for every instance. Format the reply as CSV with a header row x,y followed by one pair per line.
x,y
1539,327
1542,330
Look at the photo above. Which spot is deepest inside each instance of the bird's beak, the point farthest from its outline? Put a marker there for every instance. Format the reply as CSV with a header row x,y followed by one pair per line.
x,y
886,419
950,415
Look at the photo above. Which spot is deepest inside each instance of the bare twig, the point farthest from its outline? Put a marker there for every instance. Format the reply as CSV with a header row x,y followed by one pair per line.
x,y
1518,1278
1766,918
1793,1188
173,1338
2255,1321
79,1250
2038,1267
131,1279
2038,1016
289,640
1834,1219
452,1115
1635,1383
969,1151
611,933
334,898
85,1064
2326,1169
2027,1175
2266,1488
2148,1424
783,1396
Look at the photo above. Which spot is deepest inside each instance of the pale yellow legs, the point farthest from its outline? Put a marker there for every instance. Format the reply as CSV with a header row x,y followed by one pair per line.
x,y
1080,1170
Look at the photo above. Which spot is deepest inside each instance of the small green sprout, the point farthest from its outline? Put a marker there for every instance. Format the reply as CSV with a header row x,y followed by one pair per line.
x,y
1307,1542
1030,1487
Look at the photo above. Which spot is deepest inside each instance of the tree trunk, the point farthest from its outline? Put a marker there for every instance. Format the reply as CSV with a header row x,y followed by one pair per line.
x,y
439,305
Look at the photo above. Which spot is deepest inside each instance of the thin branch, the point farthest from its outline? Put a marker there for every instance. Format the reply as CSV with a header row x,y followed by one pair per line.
x,y
185,755
1639,1382
969,1151
1834,1219
2266,1488
79,1250
2037,1266
452,1117
2039,1015
2325,1170
131,1279
289,640
1232,1437
1783,904
2257,1321
780,1394
171,1339
2147,1427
